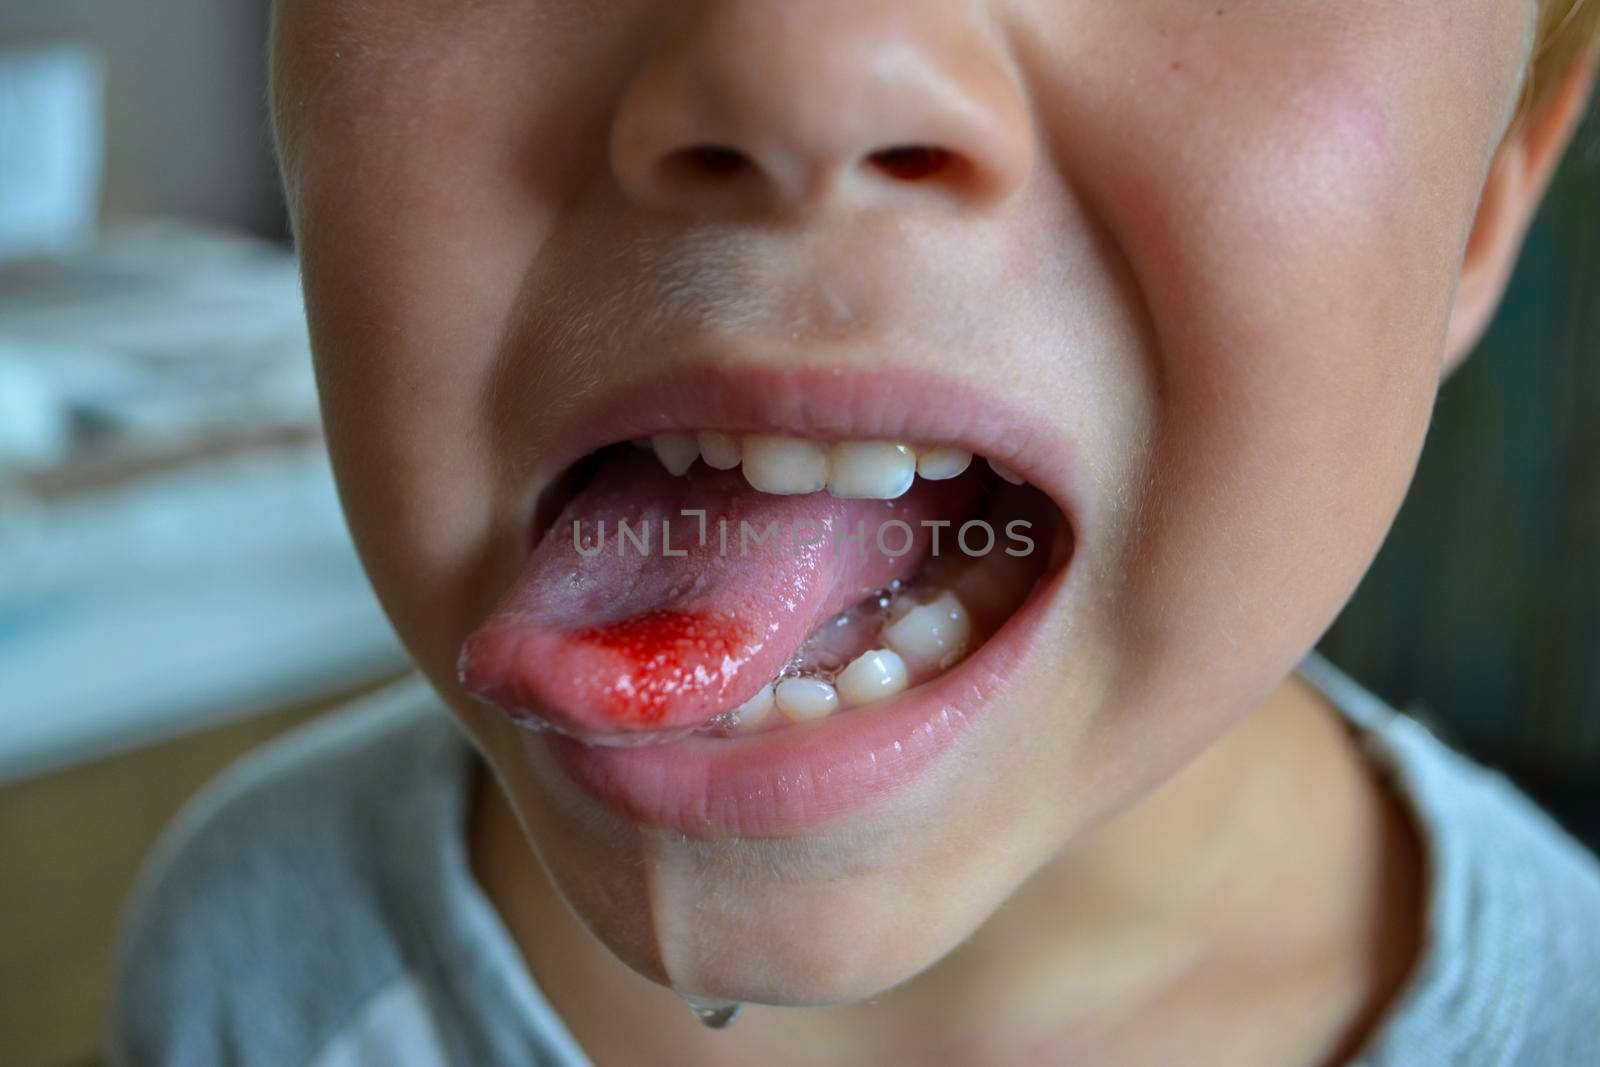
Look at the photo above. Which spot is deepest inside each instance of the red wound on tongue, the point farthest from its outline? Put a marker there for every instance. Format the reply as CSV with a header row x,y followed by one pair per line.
x,y
626,645
665,654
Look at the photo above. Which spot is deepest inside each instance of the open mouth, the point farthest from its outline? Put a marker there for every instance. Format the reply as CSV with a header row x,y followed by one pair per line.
x,y
736,631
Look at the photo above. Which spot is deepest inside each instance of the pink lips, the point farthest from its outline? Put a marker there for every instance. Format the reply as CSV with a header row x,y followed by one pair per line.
x,y
804,777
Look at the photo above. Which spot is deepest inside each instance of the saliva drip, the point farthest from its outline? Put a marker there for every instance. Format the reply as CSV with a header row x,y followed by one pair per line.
x,y
715,1014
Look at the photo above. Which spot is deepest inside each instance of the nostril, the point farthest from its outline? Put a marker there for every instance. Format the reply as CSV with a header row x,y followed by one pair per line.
x,y
707,174
910,163
710,160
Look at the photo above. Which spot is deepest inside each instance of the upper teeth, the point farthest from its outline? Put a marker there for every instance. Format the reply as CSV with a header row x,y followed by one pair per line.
x,y
864,470
942,462
784,464
676,451
870,470
719,450
1005,472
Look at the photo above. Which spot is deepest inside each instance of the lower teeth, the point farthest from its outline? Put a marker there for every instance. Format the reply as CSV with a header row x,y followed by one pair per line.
x,y
873,676
918,634
805,699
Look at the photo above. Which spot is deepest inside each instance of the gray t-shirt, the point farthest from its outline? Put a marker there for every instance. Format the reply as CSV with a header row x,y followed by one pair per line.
x,y
314,906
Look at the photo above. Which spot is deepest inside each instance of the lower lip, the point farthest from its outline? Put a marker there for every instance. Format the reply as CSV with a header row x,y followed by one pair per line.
x,y
803,778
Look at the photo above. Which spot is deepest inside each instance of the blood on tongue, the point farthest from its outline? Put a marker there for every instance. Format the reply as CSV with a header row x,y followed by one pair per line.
x,y
664,654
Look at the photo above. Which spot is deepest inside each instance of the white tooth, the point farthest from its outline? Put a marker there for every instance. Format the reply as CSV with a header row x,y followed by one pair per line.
x,y
900,605
1005,472
933,635
676,451
784,465
942,462
755,711
805,699
719,450
870,470
872,676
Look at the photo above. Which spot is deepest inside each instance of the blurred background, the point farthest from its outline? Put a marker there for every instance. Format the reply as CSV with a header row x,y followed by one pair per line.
x,y
176,585
1481,614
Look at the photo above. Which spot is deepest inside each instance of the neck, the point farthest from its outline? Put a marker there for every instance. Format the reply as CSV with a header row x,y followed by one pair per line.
x,y
1274,879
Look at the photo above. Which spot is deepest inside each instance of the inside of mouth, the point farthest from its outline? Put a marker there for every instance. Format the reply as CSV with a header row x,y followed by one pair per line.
x,y
911,631
686,630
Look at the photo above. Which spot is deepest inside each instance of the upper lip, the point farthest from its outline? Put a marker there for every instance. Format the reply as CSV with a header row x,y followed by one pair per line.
x,y
831,403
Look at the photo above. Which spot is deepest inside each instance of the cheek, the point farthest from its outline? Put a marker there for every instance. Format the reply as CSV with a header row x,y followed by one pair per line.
x,y
423,186
1295,225
1300,314
1299,298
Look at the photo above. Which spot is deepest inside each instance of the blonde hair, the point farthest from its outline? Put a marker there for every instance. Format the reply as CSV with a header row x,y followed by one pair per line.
x,y
1568,32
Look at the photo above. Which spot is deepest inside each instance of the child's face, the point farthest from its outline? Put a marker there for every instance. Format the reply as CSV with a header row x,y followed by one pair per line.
x,y
1188,266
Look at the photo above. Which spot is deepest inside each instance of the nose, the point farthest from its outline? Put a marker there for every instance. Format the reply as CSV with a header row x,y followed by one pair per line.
x,y
770,107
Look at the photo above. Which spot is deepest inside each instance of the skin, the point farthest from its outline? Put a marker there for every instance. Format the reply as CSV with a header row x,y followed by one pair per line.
x,y
1234,247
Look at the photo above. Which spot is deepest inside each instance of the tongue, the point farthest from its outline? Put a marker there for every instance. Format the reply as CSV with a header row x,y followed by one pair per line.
x,y
640,638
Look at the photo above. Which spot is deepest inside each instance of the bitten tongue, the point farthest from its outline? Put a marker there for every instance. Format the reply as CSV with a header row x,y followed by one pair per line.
x,y
629,645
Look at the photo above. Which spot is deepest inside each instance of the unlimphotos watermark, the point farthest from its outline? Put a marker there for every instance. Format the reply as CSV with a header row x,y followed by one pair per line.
x,y
893,538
